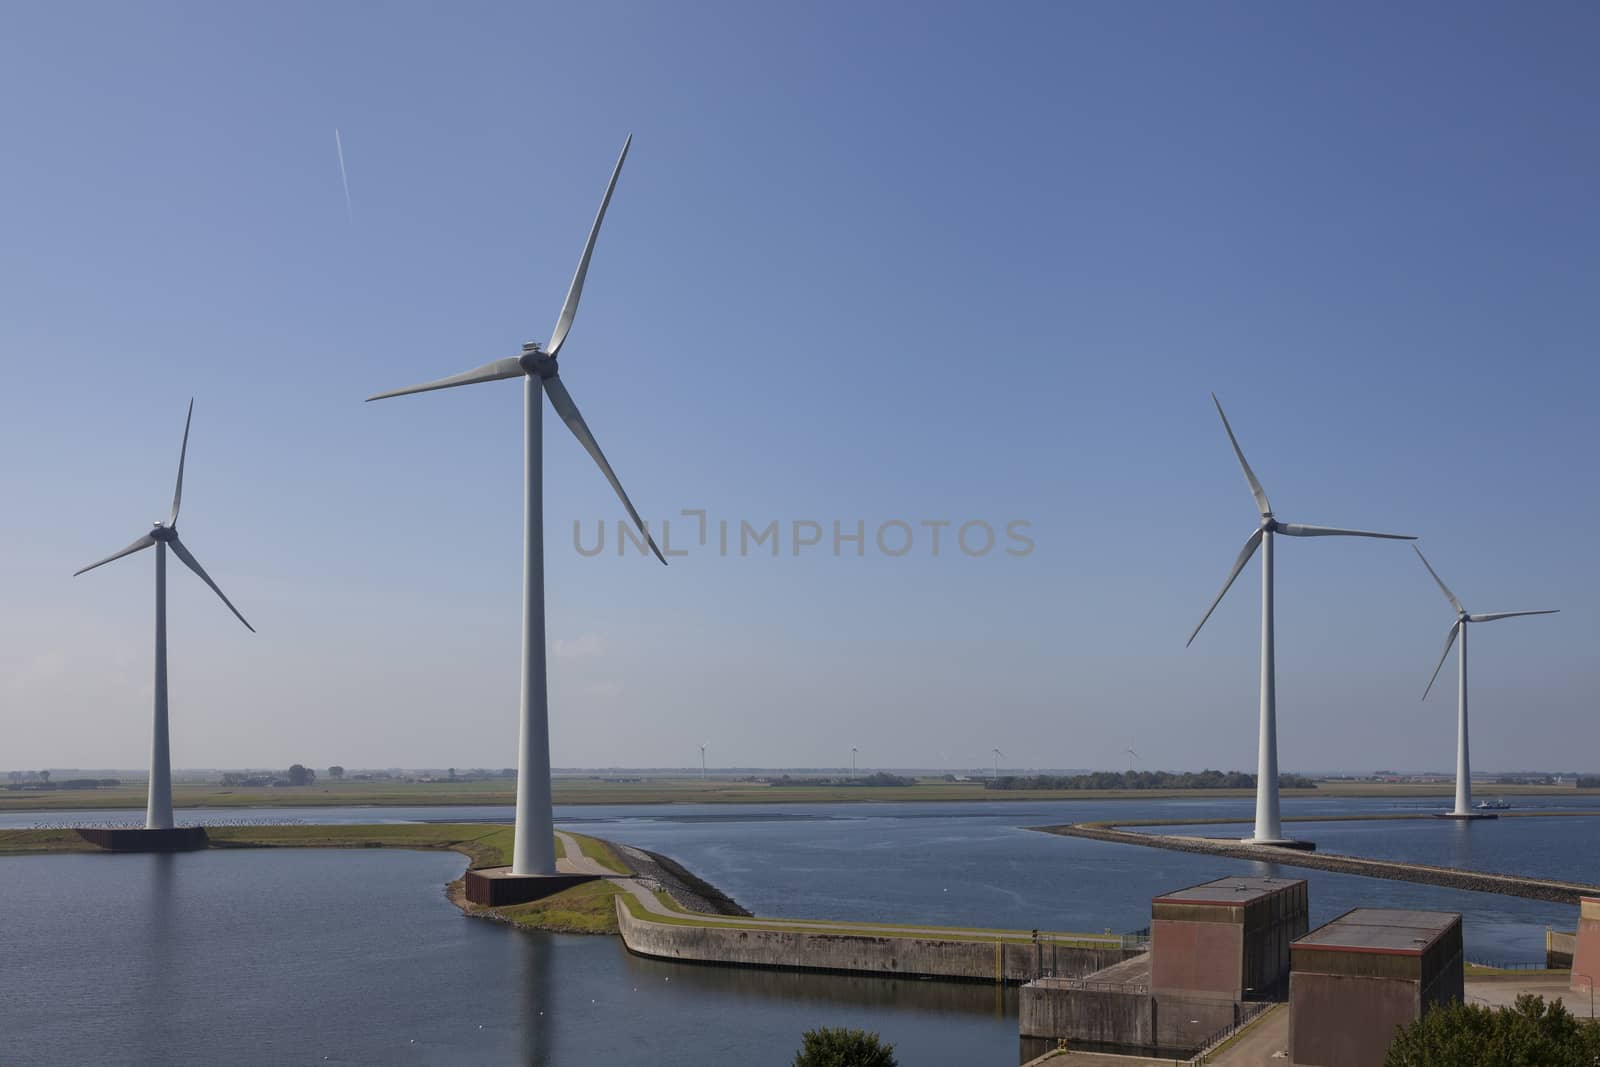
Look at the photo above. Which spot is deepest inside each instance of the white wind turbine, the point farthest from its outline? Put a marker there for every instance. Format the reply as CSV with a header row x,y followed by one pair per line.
x,y
1132,755
702,763
533,851
997,755
1463,763
164,535
1268,828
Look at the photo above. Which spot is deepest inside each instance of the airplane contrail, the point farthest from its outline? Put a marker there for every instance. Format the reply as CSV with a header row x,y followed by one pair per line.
x,y
344,178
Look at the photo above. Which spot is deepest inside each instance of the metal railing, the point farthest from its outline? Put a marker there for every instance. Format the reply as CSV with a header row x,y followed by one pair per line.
x,y
1248,1012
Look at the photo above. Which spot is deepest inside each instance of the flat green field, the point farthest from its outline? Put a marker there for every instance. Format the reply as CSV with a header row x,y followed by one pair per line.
x,y
668,791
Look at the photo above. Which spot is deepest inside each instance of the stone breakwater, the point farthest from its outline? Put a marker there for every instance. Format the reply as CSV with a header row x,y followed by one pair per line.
x,y
689,891
1481,881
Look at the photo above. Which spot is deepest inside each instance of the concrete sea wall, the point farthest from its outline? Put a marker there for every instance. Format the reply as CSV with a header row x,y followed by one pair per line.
x,y
918,957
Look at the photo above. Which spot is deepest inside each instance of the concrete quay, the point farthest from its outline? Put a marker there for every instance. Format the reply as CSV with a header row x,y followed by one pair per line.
x,y
1481,881
860,948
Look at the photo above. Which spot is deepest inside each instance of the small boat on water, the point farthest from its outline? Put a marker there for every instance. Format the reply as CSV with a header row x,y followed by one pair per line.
x,y
1497,804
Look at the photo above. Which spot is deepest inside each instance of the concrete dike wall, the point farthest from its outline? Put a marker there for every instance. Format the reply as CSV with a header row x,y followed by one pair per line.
x,y
911,956
1126,1020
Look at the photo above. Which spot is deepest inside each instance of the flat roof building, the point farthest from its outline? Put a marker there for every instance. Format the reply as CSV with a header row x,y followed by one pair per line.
x,y
1356,980
1228,938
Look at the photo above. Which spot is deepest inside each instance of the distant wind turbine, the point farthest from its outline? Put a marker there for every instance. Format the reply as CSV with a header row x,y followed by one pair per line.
x,y
1268,828
997,755
1463,764
533,851
852,761
1132,755
702,762
164,535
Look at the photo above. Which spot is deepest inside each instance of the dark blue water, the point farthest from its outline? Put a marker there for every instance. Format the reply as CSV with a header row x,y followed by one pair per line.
x,y
975,864
356,957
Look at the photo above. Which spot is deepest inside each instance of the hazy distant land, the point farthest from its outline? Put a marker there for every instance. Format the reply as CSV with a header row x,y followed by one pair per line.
x,y
130,793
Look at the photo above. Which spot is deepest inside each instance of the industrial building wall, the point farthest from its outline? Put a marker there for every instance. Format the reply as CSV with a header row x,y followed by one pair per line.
x,y
1197,957
1340,1021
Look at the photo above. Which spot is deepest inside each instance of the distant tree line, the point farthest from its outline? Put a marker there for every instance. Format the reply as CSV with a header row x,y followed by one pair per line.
x,y
35,780
298,774
1589,781
879,778
1206,779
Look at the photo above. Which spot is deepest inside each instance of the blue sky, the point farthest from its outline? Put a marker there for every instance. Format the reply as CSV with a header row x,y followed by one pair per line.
x,y
893,261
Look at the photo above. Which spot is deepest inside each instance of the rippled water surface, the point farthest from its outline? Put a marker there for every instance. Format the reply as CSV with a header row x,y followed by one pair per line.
x,y
355,957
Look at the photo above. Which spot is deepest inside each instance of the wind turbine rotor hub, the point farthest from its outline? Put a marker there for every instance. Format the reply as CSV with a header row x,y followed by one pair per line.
x,y
538,363
162,532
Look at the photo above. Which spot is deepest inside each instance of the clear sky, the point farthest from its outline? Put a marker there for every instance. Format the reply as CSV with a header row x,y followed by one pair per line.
x,y
875,262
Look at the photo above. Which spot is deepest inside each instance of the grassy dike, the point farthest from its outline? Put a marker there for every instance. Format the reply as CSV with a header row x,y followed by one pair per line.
x,y
583,909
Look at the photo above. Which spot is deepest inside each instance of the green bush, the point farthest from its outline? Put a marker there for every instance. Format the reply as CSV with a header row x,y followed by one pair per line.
x,y
827,1047
1530,1034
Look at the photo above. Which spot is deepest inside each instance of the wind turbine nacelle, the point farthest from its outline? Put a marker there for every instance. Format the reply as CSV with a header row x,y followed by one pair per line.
x,y
160,531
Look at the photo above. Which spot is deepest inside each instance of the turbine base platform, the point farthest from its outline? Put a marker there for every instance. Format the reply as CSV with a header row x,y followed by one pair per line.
x,y
497,887
1297,846
138,839
1465,815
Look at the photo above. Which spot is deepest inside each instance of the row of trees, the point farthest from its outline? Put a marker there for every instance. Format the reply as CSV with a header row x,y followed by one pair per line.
x,y
297,774
1206,779
41,780
878,778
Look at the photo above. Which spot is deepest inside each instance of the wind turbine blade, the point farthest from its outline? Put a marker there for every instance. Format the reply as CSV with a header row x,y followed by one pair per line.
x,y
1251,544
569,310
1256,491
183,454
1493,615
144,542
1448,642
1296,529
1448,595
194,565
489,372
561,400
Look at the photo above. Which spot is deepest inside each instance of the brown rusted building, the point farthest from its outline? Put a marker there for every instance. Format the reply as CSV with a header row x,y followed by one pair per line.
x,y
1227,938
1354,981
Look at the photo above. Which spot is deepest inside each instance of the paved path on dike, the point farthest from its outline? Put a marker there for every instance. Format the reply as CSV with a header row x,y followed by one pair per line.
x,y
575,862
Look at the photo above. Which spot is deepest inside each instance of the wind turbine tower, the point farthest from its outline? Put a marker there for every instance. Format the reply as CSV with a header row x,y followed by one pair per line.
x,y
702,763
533,850
162,537
997,755
1463,809
1268,828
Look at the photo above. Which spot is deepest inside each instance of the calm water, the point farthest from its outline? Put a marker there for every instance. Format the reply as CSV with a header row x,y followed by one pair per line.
x,y
355,957
272,957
